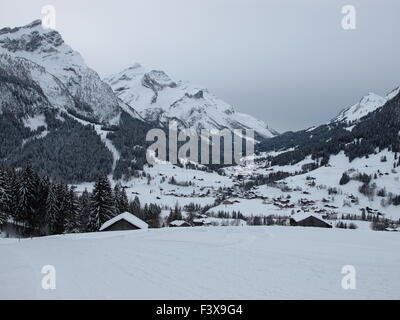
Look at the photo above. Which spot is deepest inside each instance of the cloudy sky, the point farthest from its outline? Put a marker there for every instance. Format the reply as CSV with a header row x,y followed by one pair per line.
x,y
287,62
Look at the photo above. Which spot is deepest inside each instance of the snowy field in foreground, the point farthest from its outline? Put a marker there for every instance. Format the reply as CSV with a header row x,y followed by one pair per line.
x,y
205,263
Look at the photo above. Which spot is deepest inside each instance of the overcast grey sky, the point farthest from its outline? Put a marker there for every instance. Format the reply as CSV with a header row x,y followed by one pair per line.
x,y
287,62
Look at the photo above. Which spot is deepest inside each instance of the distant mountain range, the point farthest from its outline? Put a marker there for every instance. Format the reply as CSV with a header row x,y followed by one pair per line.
x,y
366,105
371,125
158,98
57,113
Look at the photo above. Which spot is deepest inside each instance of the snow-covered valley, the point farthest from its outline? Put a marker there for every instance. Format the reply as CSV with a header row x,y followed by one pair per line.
x,y
317,191
74,177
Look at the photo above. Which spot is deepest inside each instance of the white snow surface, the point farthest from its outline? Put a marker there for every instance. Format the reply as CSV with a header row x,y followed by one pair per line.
x,y
157,97
129,217
35,122
204,263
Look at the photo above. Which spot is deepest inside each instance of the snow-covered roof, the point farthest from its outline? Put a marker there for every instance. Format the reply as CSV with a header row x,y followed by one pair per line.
x,y
204,220
304,215
16,223
178,223
129,217
393,229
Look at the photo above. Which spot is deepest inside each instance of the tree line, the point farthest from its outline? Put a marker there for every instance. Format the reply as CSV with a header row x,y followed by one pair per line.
x,y
46,207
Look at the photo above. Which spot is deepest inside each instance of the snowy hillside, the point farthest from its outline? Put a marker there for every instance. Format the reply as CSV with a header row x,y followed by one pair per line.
x,y
320,191
204,263
159,98
24,77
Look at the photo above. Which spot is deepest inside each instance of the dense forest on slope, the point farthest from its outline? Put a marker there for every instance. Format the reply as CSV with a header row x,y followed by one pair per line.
x,y
377,131
65,150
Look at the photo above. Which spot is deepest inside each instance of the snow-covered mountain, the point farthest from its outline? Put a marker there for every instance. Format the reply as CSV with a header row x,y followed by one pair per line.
x,y
88,95
159,98
366,105
360,131
57,114
27,88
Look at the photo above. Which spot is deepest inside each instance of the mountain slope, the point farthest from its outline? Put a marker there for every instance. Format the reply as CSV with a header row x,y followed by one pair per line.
x,y
159,98
18,76
58,114
361,130
366,105
92,97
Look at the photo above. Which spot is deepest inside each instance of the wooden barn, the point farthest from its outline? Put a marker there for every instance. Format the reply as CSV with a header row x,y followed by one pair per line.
x,y
124,222
179,224
304,219
13,229
201,222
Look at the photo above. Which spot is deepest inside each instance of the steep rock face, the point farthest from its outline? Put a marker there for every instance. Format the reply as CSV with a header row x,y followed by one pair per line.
x,y
27,88
92,97
159,98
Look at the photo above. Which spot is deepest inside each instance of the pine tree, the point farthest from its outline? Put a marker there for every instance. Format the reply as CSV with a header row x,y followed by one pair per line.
x,y
175,214
121,199
72,214
152,215
13,180
345,179
28,199
56,208
52,210
136,209
62,194
101,204
191,209
5,196
84,208
43,192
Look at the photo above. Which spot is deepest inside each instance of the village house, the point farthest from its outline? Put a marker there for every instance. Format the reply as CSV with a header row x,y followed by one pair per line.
x,y
124,222
179,224
13,229
304,219
201,222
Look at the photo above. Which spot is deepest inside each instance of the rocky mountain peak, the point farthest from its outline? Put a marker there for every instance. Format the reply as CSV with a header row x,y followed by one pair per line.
x,y
93,98
156,96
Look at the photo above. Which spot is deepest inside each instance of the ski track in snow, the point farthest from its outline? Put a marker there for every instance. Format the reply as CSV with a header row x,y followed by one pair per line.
x,y
204,263
103,136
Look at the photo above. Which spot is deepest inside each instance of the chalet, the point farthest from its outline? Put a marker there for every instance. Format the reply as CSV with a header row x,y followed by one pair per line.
x,y
308,220
330,207
13,229
227,202
306,202
393,229
202,222
179,224
124,222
